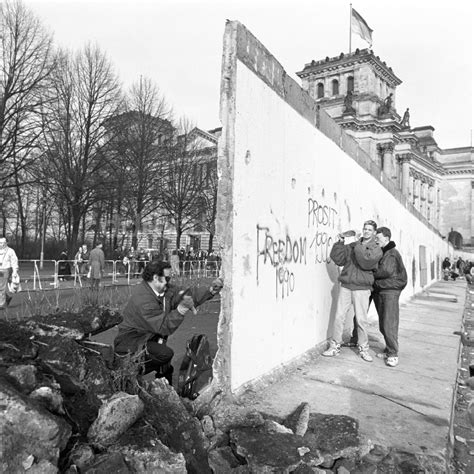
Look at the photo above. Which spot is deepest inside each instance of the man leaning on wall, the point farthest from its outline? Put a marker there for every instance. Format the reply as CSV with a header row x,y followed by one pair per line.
x,y
358,261
390,279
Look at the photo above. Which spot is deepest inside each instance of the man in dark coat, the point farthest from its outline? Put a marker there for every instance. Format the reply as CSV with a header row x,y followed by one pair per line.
x,y
154,311
390,280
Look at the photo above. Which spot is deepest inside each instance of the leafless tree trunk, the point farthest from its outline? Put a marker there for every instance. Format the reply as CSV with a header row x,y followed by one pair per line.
x,y
86,94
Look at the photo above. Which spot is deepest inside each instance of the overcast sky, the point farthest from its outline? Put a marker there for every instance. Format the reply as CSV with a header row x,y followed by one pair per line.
x,y
178,44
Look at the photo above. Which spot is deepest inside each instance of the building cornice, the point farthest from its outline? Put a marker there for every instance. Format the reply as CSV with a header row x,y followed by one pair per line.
x,y
354,124
415,174
364,56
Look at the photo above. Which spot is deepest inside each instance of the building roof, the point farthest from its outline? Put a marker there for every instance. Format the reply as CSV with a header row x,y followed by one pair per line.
x,y
359,56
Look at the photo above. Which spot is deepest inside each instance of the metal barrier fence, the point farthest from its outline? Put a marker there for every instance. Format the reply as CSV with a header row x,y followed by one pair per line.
x,y
37,275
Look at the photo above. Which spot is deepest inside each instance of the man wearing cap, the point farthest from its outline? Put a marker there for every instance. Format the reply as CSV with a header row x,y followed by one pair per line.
x,y
358,261
154,311
8,270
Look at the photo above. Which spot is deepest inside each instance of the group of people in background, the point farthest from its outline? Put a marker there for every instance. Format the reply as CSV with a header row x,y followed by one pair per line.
x,y
131,261
458,269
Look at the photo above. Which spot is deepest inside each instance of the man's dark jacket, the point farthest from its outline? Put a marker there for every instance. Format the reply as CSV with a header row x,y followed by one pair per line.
x,y
391,275
146,314
358,260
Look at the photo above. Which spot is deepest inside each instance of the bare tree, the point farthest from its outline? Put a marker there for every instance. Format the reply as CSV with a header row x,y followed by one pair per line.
x,y
26,62
138,143
181,189
85,94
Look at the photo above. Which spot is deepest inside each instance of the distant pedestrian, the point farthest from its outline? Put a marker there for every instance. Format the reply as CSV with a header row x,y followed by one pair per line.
x,y
174,262
8,271
358,259
446,267
390,279
96,266
64,267
142,260
85,259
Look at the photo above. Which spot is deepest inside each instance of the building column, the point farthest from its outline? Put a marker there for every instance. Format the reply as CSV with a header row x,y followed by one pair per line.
x,y
404,160
415,188
385,150
472,213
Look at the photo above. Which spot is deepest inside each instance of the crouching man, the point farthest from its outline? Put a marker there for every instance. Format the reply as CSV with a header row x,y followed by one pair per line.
x,y
154,311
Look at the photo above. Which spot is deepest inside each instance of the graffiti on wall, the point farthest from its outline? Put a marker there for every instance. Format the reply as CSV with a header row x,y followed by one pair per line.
x,y
280,252
285,252
322,221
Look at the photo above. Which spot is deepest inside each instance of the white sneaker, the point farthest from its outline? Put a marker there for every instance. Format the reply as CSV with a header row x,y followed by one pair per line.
x,y
333,350
392,361
366,356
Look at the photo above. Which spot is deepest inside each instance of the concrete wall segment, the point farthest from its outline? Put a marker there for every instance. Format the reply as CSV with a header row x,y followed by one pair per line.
x,y
225,208
291,190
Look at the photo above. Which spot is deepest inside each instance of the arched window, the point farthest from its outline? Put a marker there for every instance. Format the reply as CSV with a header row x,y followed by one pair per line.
x,y
320,90
350,84
335,87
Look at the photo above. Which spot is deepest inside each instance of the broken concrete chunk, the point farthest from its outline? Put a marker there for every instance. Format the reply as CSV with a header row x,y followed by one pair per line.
x,y
272,426
115,416
222,460
106,464
28,429
208,426
81,456
50,398
302,423
227,416
277,452
24,376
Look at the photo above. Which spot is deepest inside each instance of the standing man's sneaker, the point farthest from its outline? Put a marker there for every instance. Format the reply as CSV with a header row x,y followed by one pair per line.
x,y
366,356
334,349
382,355
392,361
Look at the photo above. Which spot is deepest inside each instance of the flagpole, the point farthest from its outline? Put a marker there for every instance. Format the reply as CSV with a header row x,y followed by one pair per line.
x,y
350,26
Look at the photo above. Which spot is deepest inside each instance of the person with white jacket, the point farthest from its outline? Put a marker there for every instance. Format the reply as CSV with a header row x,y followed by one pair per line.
x,y
8,271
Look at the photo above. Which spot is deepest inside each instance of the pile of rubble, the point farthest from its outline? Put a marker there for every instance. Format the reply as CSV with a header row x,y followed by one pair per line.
x,y
66,407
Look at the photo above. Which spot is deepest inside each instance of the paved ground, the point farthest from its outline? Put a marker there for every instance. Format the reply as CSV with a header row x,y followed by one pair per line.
x,y
407,407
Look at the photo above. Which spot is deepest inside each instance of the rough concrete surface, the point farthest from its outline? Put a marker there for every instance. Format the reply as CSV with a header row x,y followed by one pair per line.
x,y
407,407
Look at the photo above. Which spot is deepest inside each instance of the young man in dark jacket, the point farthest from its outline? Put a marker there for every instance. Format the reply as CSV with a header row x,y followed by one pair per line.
x,y
154,311
390,280
358,259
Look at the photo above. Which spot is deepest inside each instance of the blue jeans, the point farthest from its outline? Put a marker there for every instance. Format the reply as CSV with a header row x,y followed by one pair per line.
x,y
389,317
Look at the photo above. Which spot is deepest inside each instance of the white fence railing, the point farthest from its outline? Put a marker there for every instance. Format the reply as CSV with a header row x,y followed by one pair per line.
x,y
37,275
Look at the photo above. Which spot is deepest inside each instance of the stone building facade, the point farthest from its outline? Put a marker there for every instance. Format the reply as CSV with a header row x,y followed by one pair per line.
x,y
358,91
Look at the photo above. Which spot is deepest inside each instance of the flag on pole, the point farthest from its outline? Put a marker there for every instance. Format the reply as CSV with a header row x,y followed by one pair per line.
x,y
360,27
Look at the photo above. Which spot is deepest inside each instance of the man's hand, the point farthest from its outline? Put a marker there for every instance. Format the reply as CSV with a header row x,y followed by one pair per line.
x,y
187,301
216,286
186,304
